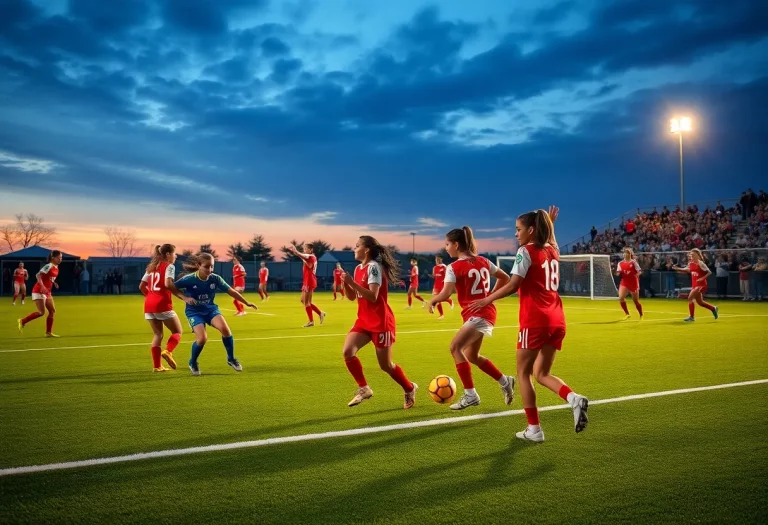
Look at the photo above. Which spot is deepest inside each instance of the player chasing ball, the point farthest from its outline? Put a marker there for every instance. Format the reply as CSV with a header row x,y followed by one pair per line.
x,y
470,277
536,278
201,286
438,274
630,271
413,287
375,321
309,283
20,276
42,294
697,267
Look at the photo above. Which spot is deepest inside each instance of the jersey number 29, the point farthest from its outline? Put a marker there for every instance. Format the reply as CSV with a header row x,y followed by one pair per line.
x,y
551,276
482,278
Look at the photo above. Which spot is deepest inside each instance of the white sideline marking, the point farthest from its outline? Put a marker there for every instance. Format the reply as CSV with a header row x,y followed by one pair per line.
x,y
250,311
311,336
343,433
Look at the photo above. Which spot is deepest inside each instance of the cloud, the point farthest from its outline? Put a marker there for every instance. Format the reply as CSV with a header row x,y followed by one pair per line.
x,y
431,223
491,230
273,46
322,216
26,164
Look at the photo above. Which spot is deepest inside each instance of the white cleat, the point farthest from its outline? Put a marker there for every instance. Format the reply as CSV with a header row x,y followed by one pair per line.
x,y
322,317
13,304
452,305
22,303
509,390
423,304
310,324
441,317
528,435
409,307
410,397
361,395
466,401
580,405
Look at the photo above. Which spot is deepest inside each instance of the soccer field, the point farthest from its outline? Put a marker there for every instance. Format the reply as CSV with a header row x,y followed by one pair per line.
x,y
697,455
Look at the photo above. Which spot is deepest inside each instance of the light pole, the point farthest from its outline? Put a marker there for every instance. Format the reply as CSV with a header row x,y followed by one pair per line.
x,y
413,251
679,125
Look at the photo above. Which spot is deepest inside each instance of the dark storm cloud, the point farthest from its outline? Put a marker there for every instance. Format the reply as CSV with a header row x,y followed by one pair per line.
x,y
105,17
273,46
204,17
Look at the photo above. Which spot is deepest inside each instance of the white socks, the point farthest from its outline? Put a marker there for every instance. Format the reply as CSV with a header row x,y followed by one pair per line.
x,y
470,392
571,396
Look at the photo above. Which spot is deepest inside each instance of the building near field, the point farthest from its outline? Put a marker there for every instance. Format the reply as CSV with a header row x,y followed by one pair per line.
x,y
34,258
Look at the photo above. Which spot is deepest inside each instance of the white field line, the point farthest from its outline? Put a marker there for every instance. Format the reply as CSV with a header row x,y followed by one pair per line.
x,y
249,310
344,433
312,336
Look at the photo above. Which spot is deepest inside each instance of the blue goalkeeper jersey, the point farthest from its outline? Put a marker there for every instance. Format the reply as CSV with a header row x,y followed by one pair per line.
x,y
202,291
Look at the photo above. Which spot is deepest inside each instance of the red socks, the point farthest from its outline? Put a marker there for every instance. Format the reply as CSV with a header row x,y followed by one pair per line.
x,y
564,391
465,374
309,313
315,309
624,307
355,368
30,317
440,308
707,306
173,342
399,376
48,324
15,296
334,294
418,297
410,299
489,368
691,309
156,356
639,307
261,294
449,301
238,306
533,415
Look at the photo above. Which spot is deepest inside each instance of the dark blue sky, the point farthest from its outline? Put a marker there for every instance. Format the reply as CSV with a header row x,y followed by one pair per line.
x,y
307,119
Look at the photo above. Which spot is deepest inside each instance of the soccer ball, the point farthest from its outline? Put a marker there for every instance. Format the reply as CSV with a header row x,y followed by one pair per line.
x,y
442,389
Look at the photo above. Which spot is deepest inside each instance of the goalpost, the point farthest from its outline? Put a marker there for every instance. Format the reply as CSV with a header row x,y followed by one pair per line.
x,y
589,276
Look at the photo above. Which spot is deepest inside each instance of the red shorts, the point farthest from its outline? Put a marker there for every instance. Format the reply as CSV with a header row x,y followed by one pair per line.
x,y
414,285
537,338
309,287
263,282
336,284
632,287
379,339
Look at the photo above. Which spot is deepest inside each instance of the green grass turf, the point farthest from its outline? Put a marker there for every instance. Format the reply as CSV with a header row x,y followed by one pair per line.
x,y
692,457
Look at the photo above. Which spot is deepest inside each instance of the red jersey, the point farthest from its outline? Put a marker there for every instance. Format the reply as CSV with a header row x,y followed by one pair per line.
x,y
20,275
629,271
337,276
414,276
439,273
238,276
472,277
158,298
310,270
48,274
698,271
263,275
373,316
540,303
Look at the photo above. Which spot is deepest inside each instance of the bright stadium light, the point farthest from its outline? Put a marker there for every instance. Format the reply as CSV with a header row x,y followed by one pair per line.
x,y
679,125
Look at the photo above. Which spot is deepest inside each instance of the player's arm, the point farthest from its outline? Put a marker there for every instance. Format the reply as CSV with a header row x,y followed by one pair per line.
x,y
519,271
237,295
553,213
143,286
682,270
350,285
304,256
39,276
501,278
178,286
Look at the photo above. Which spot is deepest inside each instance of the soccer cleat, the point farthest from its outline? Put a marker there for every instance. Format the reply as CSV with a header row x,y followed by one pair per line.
x,y
322,317
310,324
49,334
13,304
361,395
267,299
527,435
626,318
409,307
21,326
466,401
161,368
580,405
194,369
441,317
410,397
423,304
452,305
689,320
509,390
22,303
240,314
642,317
165,354
235,364
716,312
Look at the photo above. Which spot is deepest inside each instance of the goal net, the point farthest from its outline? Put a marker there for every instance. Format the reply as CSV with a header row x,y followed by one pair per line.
x,y
580,275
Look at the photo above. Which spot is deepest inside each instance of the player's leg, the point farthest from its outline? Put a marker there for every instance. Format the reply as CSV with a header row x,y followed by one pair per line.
x,y
266,293
636,300
51,307
692,305
157,339
313,306
173,324
466,336
542,372
699,298
261,291
16,289
201,337
507,383
410,298
307,307
334,289
23,289
418,297
383,344
220,324
352,344
526,358
238,307
623,291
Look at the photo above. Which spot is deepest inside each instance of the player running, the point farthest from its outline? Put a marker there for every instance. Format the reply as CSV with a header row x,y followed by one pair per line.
x,y
536,278
375,320
20,276
697,267
157,286
202,286
238,283
630,271
309,282
438,274
263,278
413,288
42,294
470,277
338,285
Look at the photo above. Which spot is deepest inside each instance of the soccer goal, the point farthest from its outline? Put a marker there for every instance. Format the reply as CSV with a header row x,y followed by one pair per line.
x,y
580,275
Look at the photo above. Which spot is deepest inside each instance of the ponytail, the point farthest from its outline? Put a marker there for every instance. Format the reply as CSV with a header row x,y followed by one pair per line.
x,y
384,256
159,253
700,254
194,262
543,228
53,254
464,238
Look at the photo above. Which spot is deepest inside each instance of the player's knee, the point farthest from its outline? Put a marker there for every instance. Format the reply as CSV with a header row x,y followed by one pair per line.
x,y
226,332
201,339
386,366
349,352
539,376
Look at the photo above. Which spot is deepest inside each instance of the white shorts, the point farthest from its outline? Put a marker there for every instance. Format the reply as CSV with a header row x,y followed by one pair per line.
x,y
239,288
39,297
481,325
160,316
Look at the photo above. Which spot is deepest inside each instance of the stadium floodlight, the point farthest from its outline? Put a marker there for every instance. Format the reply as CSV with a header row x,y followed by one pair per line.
x,y
679,125
413,234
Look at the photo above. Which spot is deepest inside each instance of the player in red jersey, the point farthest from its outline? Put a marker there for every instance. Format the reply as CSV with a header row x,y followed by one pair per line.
x,y
630,272
438,274
697,267
375,321
309,282
413,287
536,279
470,277
157,286
263,278
338,284
20,276
41,293
238,283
